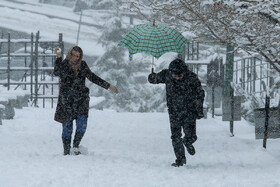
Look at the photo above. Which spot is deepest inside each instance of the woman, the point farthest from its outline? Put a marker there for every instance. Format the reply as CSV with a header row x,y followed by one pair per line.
x,y
73,99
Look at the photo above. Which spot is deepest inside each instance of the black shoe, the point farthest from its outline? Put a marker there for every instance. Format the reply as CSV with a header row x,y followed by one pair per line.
x,y
179,163
190,149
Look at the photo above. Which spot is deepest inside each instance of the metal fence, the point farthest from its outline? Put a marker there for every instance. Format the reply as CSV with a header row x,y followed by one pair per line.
x,y
28,63
254,75
191,56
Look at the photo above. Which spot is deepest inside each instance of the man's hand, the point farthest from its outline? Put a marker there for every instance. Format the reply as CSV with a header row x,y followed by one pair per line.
x,y
200,115
152,78
57,52
114,89
199,110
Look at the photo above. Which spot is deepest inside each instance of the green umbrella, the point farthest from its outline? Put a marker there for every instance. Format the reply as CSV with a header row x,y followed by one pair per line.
x,y
154,39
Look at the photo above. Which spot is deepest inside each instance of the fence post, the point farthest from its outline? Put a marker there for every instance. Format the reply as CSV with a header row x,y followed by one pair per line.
x,y
271,79
25,64
261,75
254,75
213,100
61,44
9,60
188,51
2,36
36,68
243,73
267,102
247,74
193,50
197,51
251,75
31,66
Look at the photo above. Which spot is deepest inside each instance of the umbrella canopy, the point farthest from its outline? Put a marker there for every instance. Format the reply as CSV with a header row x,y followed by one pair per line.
x,y
154,39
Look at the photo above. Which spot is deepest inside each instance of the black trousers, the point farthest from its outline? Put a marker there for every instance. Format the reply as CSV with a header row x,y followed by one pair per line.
x,y
179,121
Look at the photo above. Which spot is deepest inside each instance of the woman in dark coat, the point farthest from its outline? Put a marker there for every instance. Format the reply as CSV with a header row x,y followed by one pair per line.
x,y
73,99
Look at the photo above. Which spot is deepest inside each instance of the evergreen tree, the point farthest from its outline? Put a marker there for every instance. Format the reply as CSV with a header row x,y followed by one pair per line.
x,y
130,76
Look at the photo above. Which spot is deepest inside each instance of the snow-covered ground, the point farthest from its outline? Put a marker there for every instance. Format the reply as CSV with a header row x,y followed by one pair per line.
x,y
120,149
132,149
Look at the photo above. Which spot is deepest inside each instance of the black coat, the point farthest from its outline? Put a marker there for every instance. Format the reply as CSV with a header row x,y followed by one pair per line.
x,y
73,99
183,96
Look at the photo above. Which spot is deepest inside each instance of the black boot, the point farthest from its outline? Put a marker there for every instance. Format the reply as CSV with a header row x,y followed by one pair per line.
x,y
179,162
188,143
77,141
66,145
190,149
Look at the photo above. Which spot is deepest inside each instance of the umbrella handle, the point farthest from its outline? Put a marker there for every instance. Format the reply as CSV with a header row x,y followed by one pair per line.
x,y
152,70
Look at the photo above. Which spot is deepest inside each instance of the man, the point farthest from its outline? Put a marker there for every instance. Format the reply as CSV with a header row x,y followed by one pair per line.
x,y
185,96
73,99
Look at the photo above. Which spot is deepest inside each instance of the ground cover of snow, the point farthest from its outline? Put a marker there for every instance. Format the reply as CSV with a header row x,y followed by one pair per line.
x,y
132,149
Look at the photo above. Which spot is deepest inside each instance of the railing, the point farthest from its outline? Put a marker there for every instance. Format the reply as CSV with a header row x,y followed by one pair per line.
x,y
255,78
28,64
254,75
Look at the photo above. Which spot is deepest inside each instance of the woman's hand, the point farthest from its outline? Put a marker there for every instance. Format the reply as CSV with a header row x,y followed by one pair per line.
x,y
114,89
57,52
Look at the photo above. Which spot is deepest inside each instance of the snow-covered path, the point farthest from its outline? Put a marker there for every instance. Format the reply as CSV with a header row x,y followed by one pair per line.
x,y
124,149
132,149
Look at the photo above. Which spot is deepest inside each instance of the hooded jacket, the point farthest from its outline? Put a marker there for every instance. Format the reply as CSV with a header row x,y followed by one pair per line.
x,y
185,95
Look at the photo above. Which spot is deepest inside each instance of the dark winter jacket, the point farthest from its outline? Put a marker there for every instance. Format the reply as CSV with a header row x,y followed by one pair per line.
x,y
73,99
185,95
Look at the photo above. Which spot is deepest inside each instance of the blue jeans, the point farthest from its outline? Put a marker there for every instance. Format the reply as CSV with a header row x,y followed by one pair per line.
x,y
81,126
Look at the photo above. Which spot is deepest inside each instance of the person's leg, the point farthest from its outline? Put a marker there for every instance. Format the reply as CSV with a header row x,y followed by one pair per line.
x,y
177,142
190,137
81,123
67,129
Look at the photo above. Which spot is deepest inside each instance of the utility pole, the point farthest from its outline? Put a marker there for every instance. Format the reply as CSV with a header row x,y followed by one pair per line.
x,y
79,28
79,7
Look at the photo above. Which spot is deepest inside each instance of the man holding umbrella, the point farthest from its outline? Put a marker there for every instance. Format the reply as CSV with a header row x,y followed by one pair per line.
x,y
185,96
